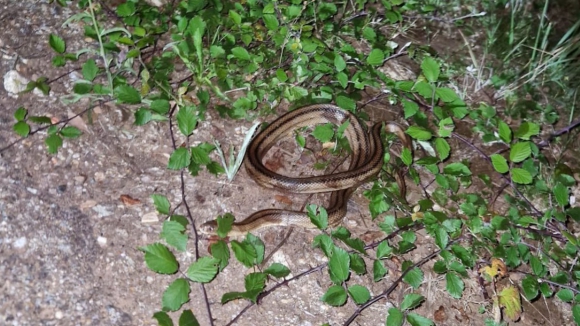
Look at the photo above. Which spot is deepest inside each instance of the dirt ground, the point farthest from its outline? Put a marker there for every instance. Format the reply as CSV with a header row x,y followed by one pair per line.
x,y
68,244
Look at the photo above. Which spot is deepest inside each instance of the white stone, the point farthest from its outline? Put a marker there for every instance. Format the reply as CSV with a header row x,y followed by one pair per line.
x,y
150,218
20,242
102,241
14,82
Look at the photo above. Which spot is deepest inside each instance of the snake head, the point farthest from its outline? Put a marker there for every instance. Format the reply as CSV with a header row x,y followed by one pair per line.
x,y
209,228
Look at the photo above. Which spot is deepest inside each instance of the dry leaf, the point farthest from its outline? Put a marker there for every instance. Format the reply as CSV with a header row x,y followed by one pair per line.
x,y
129,201
440,315
283,199
77,121
509,298
497,268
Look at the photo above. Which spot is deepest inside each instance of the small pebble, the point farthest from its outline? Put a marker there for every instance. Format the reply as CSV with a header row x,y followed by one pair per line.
x,y
20,242
102,241
150,218
58,314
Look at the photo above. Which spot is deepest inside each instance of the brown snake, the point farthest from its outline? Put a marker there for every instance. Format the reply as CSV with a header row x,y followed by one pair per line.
x,y
366,162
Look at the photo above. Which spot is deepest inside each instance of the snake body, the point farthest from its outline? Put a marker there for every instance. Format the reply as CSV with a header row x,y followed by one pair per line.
x,y
366,162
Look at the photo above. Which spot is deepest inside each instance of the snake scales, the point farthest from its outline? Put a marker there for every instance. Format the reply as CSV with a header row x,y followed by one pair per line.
x,y
366,162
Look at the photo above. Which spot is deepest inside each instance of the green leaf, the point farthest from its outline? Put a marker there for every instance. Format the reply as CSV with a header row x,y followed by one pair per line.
x,y
174,233
221,252
187,318
530,287
447,95
186,119
376,57
271,22
342,79
521,176
430,69
395,317
505,133
338,265
418,320
21,128
323,133
258,245
527,130
379,270
384,250
161,203
409,108
457,169
339,62
179,159
357,264
576,313
159,259
411,301
203,270
54,142
335,296
241,53
565,295
40,119
199,155
443,148
127,94
82,87
90,69
255,282
216,51
245,253
277,270
326,10
561,194
499,163
369,34
441,237
318,216
176,294
520,151
454,285
70,132
20,114
224,224
419,133
236,18
126,9
163,318
346,103
359,294
57,43
414,277
142,116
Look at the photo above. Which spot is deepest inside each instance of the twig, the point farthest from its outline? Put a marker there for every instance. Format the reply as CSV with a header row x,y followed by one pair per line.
x,y
318,268
560,132
393,286
508,180
64,122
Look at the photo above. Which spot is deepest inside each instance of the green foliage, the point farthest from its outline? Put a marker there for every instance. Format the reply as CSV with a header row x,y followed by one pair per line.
x,y
244,58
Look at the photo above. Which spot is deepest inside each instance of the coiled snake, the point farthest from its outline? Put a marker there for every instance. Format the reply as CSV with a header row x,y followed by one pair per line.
x,y
366,162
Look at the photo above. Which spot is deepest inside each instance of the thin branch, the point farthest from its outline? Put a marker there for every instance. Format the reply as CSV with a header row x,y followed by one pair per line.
x,y
393,286
63,122
318,268
508,180
558,133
